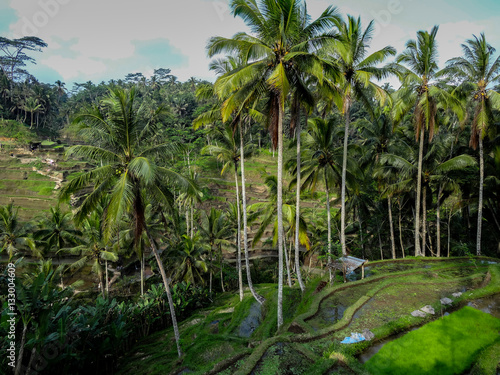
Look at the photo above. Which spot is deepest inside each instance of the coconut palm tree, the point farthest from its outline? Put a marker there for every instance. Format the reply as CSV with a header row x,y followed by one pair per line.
x,y
32,106
94,248
435,169
214,227
323,163
221,67
477,71
129,169
421,93
349,55
268,214
57,232
279,50
227,150
188,257
13,234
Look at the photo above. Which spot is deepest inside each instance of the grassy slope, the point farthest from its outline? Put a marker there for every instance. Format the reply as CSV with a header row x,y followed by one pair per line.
x,y
308,350
445,346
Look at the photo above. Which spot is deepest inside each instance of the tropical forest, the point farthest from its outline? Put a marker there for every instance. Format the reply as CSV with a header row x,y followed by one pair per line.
x,y
298,214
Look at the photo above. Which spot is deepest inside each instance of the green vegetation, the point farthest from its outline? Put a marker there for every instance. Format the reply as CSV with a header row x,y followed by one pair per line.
x,y
153,206
447,346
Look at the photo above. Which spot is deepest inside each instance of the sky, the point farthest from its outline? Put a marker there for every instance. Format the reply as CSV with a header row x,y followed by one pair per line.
x,y
99,40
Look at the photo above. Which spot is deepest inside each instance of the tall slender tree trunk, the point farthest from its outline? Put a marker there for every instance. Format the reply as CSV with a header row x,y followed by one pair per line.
x,y
210,274
329,224
167,288
480,200
101,280
280,215
221,270
449,233
187,221
297,212
401,231
238,240
380,244
361,234
245,234
192,221
344,172
142,273
107,278
287,262
21,350
424,219
391,227
418,193
438,222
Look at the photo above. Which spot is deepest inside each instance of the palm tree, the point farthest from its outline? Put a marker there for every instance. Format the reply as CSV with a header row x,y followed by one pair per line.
x,y
94,248
276,55
419,92
477,71
216,231
324,164
188,259
349,56
13,234
221,67
268,213
129,169
227,150
32,105
436,166
57,232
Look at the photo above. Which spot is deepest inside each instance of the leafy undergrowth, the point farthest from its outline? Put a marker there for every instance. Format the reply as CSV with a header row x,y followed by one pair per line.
x,y
212,343
445,346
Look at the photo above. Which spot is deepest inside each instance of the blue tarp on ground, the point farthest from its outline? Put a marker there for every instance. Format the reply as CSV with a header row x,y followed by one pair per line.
x,y
354,338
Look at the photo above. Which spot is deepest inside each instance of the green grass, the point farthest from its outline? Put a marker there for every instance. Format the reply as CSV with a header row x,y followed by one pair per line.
x,y
446,346
37,186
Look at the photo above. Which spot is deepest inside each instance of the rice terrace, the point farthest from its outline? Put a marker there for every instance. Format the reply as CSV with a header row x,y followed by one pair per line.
x,y
251,187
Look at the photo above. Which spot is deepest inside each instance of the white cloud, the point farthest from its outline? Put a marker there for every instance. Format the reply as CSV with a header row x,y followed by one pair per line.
x,y
73,68
93,36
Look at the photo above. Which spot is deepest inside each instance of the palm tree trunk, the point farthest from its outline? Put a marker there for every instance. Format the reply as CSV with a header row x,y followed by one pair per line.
x,y
361,234
344,172
101,279
142,273
21,350
329,224
480,200
238,241
449,233
287,263
297,213
401,230
187,222
167,288
221,270
280,215
380,243
107,279
424,219
210,275
393,242
192,221
418,193
245,234
438,222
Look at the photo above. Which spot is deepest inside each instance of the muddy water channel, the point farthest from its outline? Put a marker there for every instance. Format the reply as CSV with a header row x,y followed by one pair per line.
x,y
332,309
489,305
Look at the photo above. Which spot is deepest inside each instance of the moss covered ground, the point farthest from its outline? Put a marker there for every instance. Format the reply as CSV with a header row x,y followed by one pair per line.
x,y
309,343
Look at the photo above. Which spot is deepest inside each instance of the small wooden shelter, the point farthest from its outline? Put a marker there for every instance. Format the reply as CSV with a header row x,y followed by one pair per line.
x,y
348,264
